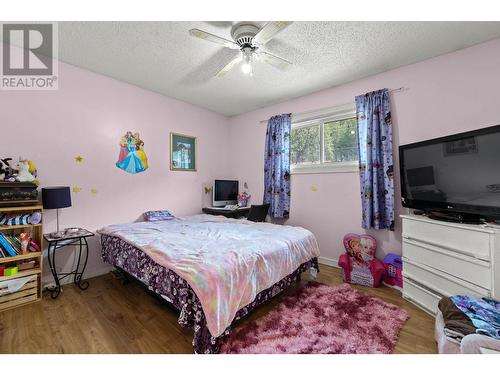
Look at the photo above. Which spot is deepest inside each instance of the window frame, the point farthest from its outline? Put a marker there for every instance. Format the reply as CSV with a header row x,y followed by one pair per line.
x,y
321,118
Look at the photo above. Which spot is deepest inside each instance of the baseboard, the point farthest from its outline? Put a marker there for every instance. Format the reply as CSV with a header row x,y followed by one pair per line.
x,y
48,280
328,262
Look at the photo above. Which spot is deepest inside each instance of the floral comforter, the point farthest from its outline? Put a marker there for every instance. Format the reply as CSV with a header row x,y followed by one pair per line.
x,y
227,262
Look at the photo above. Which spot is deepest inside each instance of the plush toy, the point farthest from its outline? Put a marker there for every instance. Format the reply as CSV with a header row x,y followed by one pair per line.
x,y
7,173
24,174
3,170
32,168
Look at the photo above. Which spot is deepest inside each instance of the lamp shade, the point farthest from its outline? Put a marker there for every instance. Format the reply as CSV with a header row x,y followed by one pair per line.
x,y
56,197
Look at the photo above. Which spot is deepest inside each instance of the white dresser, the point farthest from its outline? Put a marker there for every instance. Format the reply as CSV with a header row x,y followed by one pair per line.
x,y
442,259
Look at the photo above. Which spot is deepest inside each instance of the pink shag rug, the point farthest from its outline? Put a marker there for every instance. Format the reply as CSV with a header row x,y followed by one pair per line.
x,y
322,319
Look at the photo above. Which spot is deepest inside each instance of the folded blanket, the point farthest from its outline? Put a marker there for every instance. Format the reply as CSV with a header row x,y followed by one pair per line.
x,y
456,323
484,313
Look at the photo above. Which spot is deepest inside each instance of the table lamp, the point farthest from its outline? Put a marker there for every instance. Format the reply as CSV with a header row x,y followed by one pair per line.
x,y
56,197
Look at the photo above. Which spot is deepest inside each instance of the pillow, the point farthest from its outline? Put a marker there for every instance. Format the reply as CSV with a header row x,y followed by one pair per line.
x,y
158,215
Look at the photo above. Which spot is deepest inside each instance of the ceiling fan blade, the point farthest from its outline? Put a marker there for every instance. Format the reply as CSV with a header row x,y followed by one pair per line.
x,y
229,66
213,38
274,60
269,30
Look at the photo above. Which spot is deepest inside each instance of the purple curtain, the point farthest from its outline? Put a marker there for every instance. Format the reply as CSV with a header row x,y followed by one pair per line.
x,y
376,166
277,166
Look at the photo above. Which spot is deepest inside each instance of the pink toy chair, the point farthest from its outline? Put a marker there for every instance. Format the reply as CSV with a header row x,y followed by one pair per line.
x,y
359,265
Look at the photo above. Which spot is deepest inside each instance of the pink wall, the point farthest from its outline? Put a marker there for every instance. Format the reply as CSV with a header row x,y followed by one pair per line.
x,y
448,94
87,116
90,112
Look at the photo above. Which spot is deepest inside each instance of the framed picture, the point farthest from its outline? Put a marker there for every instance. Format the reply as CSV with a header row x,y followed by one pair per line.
x,y
461,146
182,152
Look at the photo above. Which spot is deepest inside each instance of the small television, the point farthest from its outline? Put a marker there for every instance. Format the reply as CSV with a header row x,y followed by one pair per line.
x,y
225,192
454,178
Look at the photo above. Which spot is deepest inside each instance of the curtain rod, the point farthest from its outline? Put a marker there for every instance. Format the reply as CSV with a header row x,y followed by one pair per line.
x,y
317,110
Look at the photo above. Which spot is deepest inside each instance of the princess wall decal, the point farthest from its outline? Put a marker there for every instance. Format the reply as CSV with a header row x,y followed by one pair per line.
x,y
132,158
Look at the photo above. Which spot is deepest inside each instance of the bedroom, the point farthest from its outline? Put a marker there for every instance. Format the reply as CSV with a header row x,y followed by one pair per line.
x,y
142,116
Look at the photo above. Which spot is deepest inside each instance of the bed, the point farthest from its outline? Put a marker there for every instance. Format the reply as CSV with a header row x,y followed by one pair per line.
x,y
213,270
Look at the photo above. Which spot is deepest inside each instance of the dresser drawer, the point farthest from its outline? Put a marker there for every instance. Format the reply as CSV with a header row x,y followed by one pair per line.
x,y
421,296
472,242
461,266
440,282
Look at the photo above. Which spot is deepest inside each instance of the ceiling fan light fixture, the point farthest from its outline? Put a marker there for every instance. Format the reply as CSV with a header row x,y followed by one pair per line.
x,y
247,66
249,39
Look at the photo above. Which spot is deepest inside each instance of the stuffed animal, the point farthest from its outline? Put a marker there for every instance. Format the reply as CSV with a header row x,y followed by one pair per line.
x,y
3,170
24,174
7,173
32,168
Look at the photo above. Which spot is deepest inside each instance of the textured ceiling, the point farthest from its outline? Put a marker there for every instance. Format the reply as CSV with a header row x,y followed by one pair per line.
x,y
163,57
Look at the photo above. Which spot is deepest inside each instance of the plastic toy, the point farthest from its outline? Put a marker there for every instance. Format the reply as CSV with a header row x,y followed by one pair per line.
x,y
243,199
359,265
34,246
10,271
393,265
25,241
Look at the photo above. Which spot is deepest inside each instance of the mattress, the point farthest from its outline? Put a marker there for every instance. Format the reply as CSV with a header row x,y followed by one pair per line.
x,y
227,262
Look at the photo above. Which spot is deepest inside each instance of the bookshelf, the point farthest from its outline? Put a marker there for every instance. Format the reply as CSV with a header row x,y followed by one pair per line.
x,y
32,291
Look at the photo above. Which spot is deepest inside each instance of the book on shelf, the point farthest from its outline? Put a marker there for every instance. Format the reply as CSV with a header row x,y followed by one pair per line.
x,y
5,244
14,243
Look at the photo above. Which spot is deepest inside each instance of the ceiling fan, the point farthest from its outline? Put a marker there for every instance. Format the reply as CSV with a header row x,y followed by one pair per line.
x,y
248,38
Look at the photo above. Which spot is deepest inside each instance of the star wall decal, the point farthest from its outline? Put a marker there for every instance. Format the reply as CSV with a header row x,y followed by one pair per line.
x,y
93,191
79,158
77,189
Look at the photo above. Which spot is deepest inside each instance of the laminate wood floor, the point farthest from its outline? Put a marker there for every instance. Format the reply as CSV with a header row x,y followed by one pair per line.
x,y
113,318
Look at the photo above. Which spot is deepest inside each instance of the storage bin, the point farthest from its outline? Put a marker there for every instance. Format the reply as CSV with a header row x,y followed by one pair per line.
x,y
18,291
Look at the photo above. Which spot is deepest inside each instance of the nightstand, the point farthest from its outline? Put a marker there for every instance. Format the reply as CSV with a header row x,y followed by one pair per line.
x,y
71,237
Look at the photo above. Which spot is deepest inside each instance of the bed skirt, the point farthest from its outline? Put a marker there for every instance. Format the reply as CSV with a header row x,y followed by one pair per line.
x,y
174,289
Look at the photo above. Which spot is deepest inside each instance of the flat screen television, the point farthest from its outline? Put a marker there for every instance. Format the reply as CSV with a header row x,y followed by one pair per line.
x,y
225,192
454,178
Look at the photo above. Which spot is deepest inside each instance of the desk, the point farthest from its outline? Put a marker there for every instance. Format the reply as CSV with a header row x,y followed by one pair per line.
x,y
79,239
235,214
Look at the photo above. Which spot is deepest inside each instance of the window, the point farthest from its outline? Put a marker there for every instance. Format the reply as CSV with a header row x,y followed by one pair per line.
x,y
325,142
